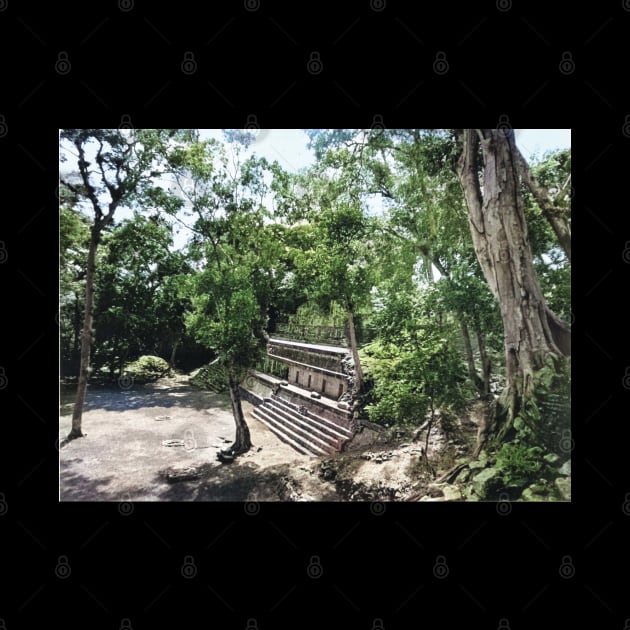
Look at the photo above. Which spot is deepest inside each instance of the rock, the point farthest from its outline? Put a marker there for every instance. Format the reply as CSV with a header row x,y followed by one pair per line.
x,y
536,492
469,494
452,493
563,486
551,458
225,456
565,469
530,495
435,489
463,476
487,482
483,458
327,472
182,474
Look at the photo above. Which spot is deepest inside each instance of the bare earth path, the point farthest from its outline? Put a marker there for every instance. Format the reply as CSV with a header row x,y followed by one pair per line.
x,y
122,457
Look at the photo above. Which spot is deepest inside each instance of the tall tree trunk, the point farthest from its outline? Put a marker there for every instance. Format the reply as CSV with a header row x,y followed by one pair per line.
x,y
172,359
86,338
470,359
122,359
76,326
485,360
242,439
358,372
499,232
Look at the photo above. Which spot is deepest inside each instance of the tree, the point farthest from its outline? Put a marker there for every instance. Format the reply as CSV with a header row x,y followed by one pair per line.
x,y
226,317
235,252
138,310
533,334
112,165
422,232
335,266
553,174
74,238
413,362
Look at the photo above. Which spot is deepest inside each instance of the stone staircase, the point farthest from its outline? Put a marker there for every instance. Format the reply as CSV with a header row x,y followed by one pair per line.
x,y
305,431
211,377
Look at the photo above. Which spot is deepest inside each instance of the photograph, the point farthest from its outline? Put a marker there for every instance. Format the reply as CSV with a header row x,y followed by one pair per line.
x,y
315,315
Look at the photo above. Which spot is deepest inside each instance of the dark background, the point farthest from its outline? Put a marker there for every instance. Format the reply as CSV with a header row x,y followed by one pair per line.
x,y
505,59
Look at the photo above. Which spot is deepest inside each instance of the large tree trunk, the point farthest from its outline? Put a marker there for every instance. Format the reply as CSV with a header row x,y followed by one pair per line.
x,y
499,232
86,339
242,440
76,346
358,372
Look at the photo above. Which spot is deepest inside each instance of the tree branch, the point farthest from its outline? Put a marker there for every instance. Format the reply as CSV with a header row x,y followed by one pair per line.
x,y
468,177
85,176
552,213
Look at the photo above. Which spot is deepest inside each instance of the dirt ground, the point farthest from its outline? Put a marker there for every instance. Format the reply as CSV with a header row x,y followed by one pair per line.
x,y
123,456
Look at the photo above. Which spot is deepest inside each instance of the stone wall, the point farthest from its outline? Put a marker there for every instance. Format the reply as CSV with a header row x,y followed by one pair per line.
x,y
334,335
318,358
331,385
258,384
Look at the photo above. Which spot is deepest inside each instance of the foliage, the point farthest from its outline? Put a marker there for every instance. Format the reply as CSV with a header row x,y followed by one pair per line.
x,y
74,236
519,463
234,252
225,315
411,381
147,369
375,233
552,267
138,307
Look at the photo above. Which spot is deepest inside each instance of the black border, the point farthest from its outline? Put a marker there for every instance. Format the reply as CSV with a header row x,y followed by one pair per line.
x,y
375,566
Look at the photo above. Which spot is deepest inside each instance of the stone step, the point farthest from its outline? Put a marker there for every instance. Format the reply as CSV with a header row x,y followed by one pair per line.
x,y
309,426
320,424
344,431
302,432
279,433
284,433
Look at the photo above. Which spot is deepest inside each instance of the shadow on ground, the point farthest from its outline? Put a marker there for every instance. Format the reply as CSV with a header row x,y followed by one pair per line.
x,y
76,487
139,396
230,482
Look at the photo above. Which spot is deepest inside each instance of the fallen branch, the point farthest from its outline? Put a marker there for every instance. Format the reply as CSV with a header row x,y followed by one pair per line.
x,y
450,475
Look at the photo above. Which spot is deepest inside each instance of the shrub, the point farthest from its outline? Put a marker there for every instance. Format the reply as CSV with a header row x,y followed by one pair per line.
x,y
519,463
147,369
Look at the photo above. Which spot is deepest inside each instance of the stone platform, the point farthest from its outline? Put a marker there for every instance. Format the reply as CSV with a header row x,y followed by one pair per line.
x,y
305,410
